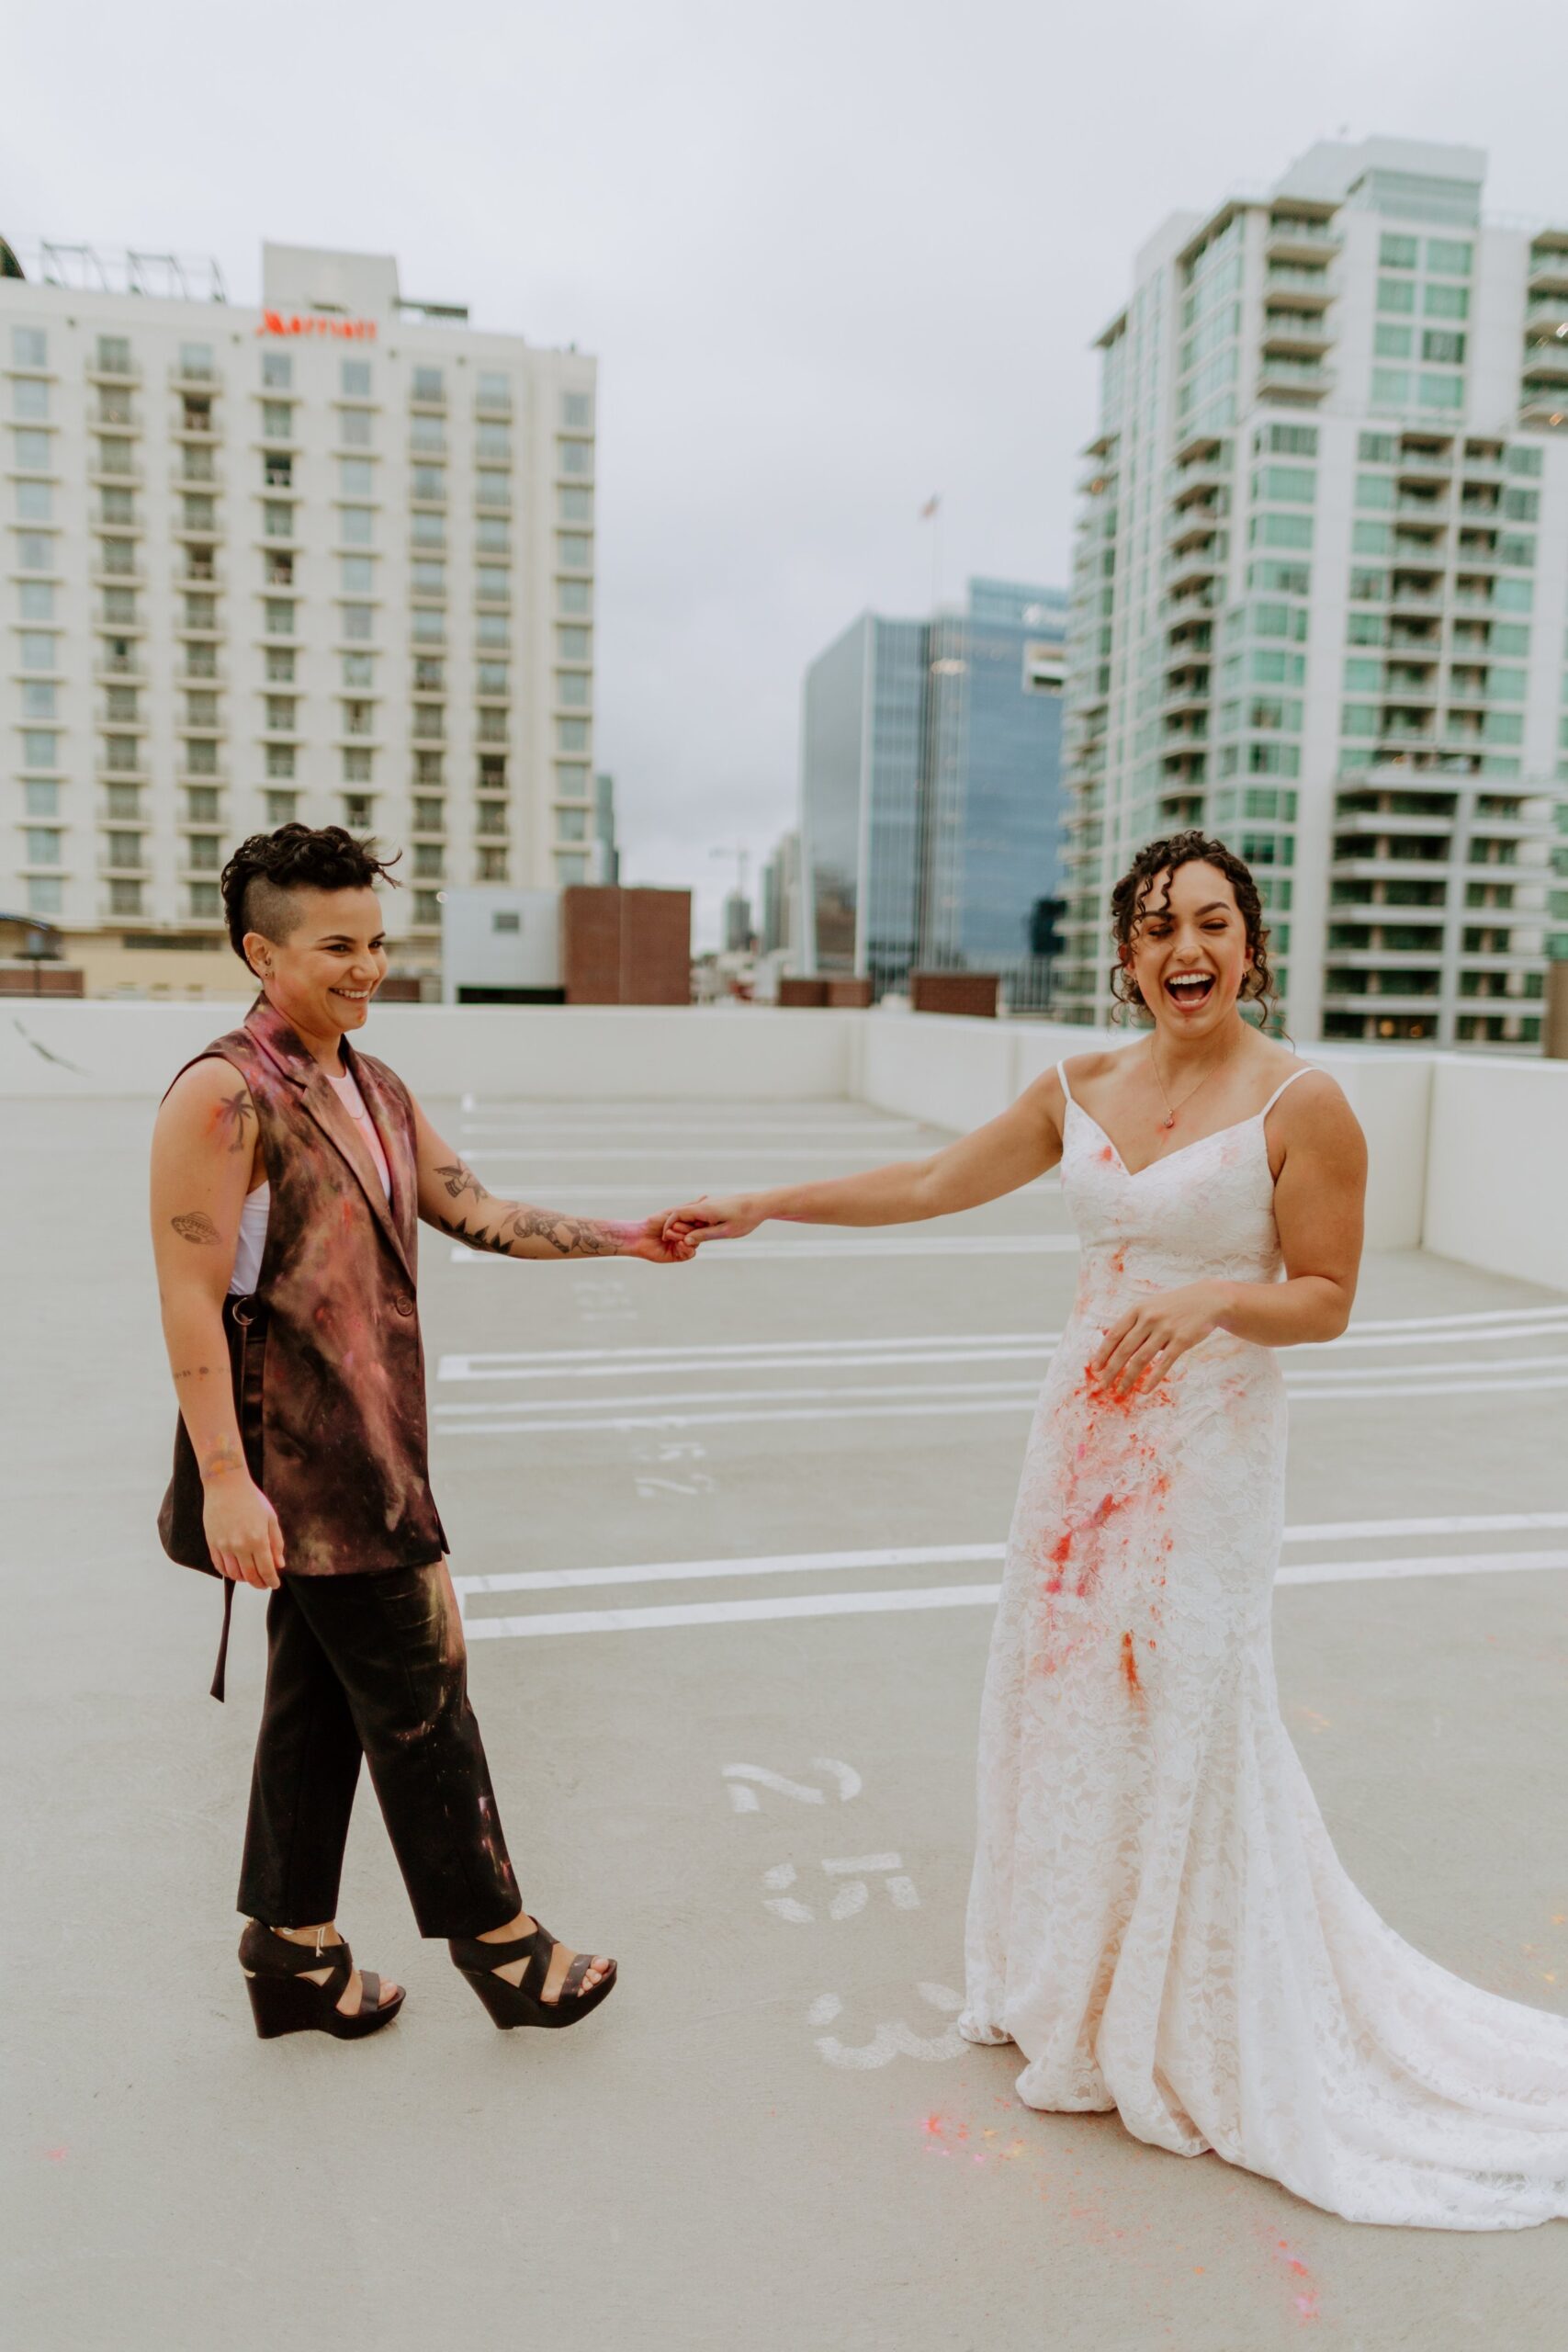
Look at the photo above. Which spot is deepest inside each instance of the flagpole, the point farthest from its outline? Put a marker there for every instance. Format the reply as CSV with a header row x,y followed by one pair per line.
x,y
932,513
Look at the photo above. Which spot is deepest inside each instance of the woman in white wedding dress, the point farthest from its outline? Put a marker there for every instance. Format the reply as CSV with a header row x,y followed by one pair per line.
x,y
1156,1918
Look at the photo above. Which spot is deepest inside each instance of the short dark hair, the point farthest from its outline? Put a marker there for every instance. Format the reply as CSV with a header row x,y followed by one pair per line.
x,y
266,869
1129,905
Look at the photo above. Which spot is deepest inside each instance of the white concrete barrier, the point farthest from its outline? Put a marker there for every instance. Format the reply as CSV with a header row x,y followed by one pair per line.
x,y
1468,1154
1497,1167
605,1053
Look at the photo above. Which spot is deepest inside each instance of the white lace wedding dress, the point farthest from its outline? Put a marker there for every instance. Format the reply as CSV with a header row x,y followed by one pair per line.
x,y
1157,1917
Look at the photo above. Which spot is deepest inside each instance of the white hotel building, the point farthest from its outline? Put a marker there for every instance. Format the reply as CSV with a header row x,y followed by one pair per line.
x,y
1321,593
330,558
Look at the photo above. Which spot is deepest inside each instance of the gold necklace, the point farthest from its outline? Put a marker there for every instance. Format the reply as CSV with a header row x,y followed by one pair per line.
x,y
1170,1121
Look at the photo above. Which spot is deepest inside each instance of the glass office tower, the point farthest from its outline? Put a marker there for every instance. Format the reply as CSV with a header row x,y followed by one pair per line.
x,y
930,803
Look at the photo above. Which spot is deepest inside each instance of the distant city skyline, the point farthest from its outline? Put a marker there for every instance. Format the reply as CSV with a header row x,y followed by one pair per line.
x,y
784,383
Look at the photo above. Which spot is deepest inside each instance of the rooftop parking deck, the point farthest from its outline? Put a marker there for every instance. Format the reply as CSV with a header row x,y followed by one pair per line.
x,y
727,1536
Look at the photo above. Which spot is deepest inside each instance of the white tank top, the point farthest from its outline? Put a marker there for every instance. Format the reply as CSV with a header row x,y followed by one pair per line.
x,y
257,1207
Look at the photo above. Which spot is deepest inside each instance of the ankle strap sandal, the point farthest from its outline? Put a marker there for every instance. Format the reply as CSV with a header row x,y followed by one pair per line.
x,y
283,1999
511,2004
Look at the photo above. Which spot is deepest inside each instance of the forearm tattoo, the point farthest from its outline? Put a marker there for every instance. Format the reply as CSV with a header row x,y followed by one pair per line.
x,y
197,1226
510,1226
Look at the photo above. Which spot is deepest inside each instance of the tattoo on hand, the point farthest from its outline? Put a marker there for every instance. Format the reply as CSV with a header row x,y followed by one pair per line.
x,y
459,1179
224,1457
232,1113
197,1226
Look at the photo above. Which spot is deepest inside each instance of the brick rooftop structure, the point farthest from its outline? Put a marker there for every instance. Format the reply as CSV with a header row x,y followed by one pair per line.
x,y
625,946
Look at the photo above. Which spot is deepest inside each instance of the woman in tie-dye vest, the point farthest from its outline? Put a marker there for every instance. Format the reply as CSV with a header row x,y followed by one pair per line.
x,y
288,1175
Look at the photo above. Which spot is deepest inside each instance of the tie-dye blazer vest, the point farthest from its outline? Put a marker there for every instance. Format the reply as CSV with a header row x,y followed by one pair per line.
x,y
328,1365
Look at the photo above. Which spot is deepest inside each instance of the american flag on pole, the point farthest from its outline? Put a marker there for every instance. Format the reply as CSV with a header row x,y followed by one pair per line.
x,y
928,509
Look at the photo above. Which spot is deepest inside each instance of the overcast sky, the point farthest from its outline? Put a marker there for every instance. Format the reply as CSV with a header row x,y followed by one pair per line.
x,y
833,255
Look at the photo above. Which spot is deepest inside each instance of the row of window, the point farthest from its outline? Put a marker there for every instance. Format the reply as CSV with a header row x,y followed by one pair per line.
x,y
124,802
1487,726
1447,256
126,896
113,356
39,651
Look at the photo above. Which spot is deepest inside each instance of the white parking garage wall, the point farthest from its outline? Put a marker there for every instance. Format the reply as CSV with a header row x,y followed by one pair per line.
x,y
601,1053
1497,1167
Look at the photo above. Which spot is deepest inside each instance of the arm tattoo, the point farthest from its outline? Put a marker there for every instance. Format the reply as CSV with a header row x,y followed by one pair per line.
x,y
199,1373
459,1179
232,1113
566,1237
197,1226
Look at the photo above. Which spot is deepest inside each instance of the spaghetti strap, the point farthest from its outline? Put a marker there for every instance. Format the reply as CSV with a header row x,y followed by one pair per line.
x,y
1303,1072
1062,1074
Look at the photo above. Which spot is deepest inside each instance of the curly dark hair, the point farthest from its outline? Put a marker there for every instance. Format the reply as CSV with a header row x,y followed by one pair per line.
x,y
258,879
1129,906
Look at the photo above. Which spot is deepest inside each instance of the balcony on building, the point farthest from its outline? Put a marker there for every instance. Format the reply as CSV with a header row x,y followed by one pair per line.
x,y
1300,233
1292,334
1549,262
1546,366
1423,461
1297,382
1290,287
192,374
116,369
115,470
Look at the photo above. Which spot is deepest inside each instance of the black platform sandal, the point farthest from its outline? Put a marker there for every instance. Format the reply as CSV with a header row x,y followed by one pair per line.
x,y
283,1999
511,2004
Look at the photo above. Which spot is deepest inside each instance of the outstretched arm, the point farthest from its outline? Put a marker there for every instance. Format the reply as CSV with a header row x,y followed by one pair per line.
x,y
452,1198
993,1160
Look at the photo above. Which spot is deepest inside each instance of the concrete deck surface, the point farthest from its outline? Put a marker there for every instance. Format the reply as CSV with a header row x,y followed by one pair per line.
x,y
770,2137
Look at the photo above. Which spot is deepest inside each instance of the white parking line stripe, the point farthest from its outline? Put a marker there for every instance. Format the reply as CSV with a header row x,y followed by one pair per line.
x,y
728,1612
937,1554
990,1347
921,1597
962,1401
1438,1563
1310,1385
783,1564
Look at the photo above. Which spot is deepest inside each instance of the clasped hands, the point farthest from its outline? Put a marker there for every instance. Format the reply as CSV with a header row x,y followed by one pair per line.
x,y
671,1237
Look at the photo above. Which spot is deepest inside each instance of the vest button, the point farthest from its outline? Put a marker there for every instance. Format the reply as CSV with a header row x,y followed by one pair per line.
x,y
403,1305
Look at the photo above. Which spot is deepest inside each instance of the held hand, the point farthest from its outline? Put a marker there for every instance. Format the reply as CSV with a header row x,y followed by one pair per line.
x,y
242,1533
657,1242
1142,1345
728,1219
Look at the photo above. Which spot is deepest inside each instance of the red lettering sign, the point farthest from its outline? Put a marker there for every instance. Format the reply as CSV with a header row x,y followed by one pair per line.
x,y
353,330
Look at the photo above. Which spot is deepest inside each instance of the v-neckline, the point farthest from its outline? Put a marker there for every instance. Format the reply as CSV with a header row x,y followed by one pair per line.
x,y
1132,1174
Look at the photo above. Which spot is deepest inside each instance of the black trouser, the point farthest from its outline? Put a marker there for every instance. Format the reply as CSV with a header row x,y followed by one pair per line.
x,y
372,1664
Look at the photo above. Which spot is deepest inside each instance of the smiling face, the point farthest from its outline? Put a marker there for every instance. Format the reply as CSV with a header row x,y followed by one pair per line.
x,y
1189,953
322,958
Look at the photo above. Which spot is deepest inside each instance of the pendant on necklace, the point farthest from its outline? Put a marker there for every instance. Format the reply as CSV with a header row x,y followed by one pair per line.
x,y
1171,1122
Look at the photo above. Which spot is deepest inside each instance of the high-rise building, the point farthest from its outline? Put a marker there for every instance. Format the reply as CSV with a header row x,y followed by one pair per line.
x,y
930,804
328,558
1321,592
780,894
607,844
738,931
